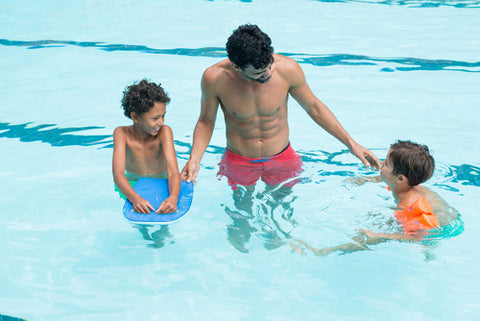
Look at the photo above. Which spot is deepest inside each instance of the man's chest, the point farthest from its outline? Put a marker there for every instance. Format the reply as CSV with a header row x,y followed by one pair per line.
x,y
250,102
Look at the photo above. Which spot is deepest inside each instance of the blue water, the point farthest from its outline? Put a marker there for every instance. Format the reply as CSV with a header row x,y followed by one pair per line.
x,y
388,70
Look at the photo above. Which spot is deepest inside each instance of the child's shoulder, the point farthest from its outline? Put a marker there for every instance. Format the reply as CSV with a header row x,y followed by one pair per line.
x,y
444,212
432,197
165,135
123,128
166,127
166,130
122,131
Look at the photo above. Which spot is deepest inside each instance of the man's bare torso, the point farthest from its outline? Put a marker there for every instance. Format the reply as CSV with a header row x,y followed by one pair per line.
x,y
255,114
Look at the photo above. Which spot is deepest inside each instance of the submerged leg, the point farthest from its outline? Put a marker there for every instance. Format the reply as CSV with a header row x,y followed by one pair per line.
x,y
240,231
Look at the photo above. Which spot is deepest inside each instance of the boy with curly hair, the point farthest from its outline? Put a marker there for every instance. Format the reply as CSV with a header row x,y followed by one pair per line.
x,y
145,148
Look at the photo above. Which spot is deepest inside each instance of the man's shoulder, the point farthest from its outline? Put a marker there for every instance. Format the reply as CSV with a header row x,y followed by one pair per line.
x,y
217,75
219,69
289,69
285,62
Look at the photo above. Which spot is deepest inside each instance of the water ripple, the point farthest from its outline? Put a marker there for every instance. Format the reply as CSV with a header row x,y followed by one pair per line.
x,y
319,60
463,174
415,3
48,133
9,318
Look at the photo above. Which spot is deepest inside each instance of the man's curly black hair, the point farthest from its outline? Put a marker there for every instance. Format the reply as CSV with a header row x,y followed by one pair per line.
x,y
140,97
248,45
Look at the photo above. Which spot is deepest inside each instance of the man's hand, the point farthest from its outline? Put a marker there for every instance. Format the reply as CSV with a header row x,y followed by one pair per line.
x,y
190,171
367,157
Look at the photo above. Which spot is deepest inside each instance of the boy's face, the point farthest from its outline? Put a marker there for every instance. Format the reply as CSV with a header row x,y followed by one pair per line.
x,y
151,121
386,171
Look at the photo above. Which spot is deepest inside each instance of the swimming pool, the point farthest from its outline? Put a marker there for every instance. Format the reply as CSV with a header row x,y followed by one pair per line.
x,y
387,69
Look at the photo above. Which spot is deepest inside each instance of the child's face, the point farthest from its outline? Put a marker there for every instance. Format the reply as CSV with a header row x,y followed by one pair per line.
x,y
386,171
151,121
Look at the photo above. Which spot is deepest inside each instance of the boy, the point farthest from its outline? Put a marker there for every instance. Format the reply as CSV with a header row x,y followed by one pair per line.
x,y
145,148
419,209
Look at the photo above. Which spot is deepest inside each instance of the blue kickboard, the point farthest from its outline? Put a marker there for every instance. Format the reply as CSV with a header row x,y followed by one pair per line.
x,y
155,190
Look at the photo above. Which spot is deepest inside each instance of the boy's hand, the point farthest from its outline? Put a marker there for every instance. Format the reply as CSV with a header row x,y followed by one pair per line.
x,y
362,180
168,206
142,206
356,180
190,171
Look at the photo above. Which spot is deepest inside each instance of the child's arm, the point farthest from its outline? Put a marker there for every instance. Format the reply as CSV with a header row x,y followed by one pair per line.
x,y
140,205
362,180
170,204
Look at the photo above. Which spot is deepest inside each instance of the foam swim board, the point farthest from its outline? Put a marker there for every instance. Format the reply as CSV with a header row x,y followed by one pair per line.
x,y
155,190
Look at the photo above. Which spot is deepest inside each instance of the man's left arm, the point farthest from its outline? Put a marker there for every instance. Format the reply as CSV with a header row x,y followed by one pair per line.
x,y
322,115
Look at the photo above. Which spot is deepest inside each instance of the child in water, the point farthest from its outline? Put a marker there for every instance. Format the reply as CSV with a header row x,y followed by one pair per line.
x,y
145,148
419,210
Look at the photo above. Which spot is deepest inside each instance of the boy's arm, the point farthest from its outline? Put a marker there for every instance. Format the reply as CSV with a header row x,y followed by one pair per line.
x,y
118,170
204,127
170,204
363,179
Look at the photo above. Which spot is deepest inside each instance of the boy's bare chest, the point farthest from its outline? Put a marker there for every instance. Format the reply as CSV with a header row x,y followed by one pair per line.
x,y
138,150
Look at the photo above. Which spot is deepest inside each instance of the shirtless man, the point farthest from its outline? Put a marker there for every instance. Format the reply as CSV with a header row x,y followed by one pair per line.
x,y
252,88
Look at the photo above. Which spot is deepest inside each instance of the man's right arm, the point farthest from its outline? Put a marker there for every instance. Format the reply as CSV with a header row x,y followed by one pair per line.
x,y
205,124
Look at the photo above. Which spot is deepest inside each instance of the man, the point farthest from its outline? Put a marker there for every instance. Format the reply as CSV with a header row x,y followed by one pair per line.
x,y
252,88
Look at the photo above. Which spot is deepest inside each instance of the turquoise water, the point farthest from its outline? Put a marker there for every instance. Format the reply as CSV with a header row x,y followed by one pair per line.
x,y
388,70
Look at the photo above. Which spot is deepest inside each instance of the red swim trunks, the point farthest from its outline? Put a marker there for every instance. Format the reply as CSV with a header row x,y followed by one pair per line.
x,y
272,170
417,216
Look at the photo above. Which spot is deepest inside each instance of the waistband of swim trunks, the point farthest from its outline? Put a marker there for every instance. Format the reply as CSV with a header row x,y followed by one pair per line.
x,y
285,152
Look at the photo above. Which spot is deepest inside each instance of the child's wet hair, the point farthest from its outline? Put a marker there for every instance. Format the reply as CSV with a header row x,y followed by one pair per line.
x,y
140,97
411,160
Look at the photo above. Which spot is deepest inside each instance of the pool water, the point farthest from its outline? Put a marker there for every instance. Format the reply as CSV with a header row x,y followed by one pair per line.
x,y
388,70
